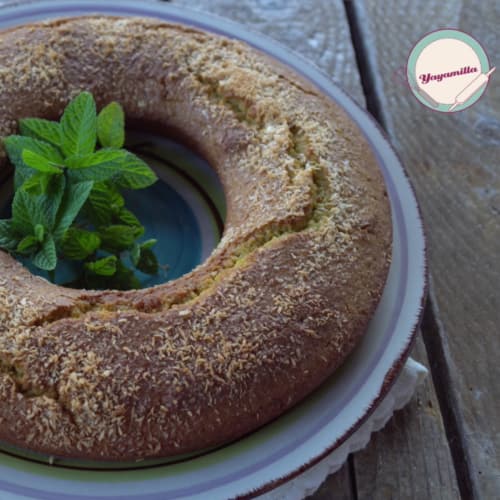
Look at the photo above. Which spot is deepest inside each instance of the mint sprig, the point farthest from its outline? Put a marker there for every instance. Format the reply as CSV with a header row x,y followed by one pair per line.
x,y
68,203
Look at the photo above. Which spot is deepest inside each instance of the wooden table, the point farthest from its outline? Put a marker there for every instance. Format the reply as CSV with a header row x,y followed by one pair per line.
x,y
445,443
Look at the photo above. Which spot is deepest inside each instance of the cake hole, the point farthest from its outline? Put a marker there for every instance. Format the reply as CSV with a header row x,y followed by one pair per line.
x,y
184,211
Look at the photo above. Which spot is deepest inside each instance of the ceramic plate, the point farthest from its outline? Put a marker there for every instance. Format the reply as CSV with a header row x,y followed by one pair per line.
x,y
322,422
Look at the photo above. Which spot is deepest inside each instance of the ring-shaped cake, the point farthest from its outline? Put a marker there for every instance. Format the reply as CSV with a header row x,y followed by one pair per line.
x,y
276,308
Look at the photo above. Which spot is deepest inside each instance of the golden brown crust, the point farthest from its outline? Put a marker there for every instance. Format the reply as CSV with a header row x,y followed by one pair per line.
x,y
277,307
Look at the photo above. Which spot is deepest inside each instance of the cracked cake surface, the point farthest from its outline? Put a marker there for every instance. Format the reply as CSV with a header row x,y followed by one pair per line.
x,y
276,308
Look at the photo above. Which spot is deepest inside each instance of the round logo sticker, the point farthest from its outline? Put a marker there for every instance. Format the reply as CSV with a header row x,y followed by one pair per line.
x,y
448,70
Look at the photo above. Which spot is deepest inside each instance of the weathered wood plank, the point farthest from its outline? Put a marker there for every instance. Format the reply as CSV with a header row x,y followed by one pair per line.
x,y
337,486
410,458
453,162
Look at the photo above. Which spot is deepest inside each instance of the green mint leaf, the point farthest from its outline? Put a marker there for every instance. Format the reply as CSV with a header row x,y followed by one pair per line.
x,y
8,239
149,243
40,163
37,184
126,169
51,200
21,175
73,200
117,237
23,206
27,245
46,258
148,263
107,157
38,128
116,200
111,126
103,267
79,244
128,218
32,184
16,144
135,254
103,202
99,166
39,233
29,210
124,278
134,173
79,126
